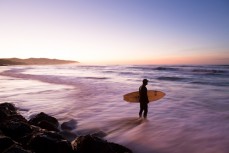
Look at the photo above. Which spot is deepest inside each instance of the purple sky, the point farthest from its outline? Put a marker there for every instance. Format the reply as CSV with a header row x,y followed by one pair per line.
x,y
117,31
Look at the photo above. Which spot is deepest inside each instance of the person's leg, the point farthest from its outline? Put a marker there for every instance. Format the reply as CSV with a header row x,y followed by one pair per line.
x,y
140,111
145,110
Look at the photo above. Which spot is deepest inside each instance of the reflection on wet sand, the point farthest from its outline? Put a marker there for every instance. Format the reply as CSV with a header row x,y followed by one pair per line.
x,y
124,124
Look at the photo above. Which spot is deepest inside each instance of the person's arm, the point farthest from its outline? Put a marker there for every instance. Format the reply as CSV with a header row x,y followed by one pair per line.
x,y
146,95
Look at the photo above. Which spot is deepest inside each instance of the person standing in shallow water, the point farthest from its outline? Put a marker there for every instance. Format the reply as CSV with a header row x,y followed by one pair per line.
x,y
143,99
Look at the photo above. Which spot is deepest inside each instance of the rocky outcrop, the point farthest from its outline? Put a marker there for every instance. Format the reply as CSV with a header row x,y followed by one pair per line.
x,y
45,121
41,134
89,144
47,142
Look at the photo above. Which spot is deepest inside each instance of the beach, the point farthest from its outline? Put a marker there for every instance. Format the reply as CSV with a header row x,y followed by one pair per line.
x,y
192,117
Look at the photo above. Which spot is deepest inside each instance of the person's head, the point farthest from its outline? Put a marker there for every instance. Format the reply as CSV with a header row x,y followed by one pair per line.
x,y
145,81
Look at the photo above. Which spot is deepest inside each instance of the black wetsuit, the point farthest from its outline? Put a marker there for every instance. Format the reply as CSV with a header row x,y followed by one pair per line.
x,y
143,99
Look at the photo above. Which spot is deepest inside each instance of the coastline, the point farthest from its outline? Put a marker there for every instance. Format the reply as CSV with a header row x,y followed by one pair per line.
x,y
33,61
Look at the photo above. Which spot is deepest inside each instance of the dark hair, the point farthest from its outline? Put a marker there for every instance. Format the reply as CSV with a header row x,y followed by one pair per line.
x,y
144,80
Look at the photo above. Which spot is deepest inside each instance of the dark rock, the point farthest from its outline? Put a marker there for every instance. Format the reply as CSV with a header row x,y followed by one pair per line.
x,y
10,108
99,134
68,135
15,130
17,118
1,133
70,125
89,144
17,135
44,117
3,115
5,143
7,109
47,125
16,149
9,113
48,142
119,148
26,139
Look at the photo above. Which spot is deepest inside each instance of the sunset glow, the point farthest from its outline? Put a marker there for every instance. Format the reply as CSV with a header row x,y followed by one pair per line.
x,y
117,32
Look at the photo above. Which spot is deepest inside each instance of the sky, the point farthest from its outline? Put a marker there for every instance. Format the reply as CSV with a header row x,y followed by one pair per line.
x,y
116,31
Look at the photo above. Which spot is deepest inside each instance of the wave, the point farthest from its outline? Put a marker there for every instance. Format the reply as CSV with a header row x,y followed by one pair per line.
x,y
185,68
149,68
91,66
172,78
208,71
54,79
43,78
167,69
109,71
211,83
97,78
127,73
144,68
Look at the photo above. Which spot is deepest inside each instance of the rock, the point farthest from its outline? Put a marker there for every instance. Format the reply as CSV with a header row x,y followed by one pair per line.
x,y
68,135
9,113
99,134
48,142
119,148
5,143
16,149
41,135
70,125
26,139
15,130
17,118
47,125
9,117
1,133
89,144
45,121
7,109
13,125
3,115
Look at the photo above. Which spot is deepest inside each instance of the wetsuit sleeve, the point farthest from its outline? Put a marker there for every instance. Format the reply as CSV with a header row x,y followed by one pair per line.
x,y
146,95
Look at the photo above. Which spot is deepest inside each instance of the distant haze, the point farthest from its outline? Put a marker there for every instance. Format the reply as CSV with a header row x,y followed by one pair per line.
x,y
116,31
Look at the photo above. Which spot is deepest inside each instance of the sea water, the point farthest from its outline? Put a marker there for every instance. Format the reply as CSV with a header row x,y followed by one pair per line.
x,y
193,117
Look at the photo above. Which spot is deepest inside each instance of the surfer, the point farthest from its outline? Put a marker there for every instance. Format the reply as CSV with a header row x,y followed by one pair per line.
x,y
143,99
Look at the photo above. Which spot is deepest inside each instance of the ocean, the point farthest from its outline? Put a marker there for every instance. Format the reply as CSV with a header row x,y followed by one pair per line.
x,y
193,117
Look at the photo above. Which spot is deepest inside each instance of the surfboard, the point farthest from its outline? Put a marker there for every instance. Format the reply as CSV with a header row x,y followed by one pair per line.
x,y
153,95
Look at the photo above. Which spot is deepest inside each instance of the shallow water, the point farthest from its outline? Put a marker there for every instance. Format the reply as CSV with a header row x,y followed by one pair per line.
x,y
192,117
